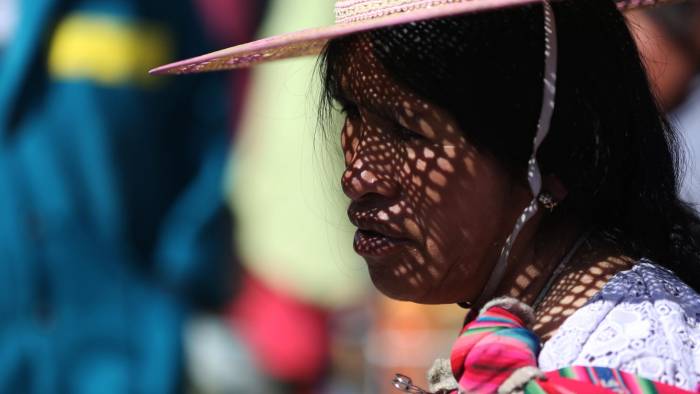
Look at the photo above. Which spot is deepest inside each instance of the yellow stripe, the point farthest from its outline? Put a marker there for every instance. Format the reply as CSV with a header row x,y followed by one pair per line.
x,y
108,51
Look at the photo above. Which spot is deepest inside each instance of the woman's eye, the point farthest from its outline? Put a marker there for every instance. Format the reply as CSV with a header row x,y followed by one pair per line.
x,y
408,134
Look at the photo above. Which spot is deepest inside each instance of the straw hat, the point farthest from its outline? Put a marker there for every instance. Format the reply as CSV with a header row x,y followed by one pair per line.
x,y
351,16
354,16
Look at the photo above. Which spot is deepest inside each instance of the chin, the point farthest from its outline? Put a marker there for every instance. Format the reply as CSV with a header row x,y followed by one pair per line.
x,y
404,288
391,282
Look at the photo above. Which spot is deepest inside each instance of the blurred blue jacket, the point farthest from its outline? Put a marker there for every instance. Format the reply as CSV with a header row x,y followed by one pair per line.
x,y
112,220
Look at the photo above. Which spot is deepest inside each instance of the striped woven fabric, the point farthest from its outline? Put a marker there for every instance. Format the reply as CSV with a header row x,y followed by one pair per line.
x,y
490,349
496,344
594,380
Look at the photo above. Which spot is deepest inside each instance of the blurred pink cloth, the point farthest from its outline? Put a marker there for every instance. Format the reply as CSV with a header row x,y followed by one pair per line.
x,y
221,14
290,338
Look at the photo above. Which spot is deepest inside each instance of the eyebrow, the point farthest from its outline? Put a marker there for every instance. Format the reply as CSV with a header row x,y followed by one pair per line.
x,y
386,111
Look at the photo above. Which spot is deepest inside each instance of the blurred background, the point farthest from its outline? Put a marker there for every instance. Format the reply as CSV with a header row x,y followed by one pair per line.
x,y
188,235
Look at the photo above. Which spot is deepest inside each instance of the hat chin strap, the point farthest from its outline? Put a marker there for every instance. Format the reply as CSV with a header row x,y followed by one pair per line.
x,y
534,176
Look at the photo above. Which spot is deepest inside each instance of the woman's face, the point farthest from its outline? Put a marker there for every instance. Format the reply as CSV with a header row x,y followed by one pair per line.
x,y
432,211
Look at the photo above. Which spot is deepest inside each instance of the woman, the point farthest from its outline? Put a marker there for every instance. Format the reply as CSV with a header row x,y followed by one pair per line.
x,y
454,202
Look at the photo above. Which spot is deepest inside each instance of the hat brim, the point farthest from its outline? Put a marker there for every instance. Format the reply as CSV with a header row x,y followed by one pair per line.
x,y
312,41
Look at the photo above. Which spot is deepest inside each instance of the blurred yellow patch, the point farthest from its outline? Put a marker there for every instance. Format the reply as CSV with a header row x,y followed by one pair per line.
x,y
107,50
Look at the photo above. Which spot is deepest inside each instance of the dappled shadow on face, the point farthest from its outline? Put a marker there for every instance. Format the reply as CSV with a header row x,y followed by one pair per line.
x,y
429,206
573,289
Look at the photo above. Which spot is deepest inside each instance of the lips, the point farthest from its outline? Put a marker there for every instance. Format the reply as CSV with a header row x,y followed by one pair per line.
x,y
374,238
373,244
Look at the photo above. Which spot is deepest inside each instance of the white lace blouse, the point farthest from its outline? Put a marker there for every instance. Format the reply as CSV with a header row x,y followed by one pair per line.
x,y
644,321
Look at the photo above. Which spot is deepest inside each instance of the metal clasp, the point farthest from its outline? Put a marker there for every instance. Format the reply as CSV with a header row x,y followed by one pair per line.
x,y
405,384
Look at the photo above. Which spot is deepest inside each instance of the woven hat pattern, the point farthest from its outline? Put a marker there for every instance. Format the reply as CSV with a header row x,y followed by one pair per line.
x,y
352,16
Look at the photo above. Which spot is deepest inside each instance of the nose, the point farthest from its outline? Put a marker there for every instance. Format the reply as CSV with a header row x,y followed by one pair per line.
x,y
369,171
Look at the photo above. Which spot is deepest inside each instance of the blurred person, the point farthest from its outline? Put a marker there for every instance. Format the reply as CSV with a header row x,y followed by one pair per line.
x,y
114,227
509,156
289,227
669,41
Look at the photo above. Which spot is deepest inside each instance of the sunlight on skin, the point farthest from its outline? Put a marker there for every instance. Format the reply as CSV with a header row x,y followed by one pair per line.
x,y
575,287
587,275
433,210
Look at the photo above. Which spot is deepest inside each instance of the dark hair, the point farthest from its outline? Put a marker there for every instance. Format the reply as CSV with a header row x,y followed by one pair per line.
x,y
608,143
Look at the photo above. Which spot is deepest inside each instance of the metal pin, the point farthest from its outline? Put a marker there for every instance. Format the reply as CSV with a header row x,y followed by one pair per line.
x,y
405,384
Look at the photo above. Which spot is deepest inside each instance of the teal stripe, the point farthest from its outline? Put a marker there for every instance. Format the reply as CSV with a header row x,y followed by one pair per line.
x,y
480,330
593,378
523,335
532,387
646,386
567,372
494,319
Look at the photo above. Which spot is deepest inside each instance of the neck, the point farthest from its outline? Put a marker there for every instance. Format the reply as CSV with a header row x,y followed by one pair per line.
x,y
538,254
591,268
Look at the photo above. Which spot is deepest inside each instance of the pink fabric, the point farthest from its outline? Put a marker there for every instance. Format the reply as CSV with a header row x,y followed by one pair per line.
x,y
490,349
290,338
497,344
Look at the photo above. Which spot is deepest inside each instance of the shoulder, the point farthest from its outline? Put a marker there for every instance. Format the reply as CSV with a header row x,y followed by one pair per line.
x,y
644,321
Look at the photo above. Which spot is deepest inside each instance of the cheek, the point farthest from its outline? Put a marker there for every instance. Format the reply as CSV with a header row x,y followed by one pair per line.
x,y
453,190
463,222
477,204
349,139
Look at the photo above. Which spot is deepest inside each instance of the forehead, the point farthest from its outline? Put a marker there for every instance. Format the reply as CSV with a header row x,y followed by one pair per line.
x,y
366,82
